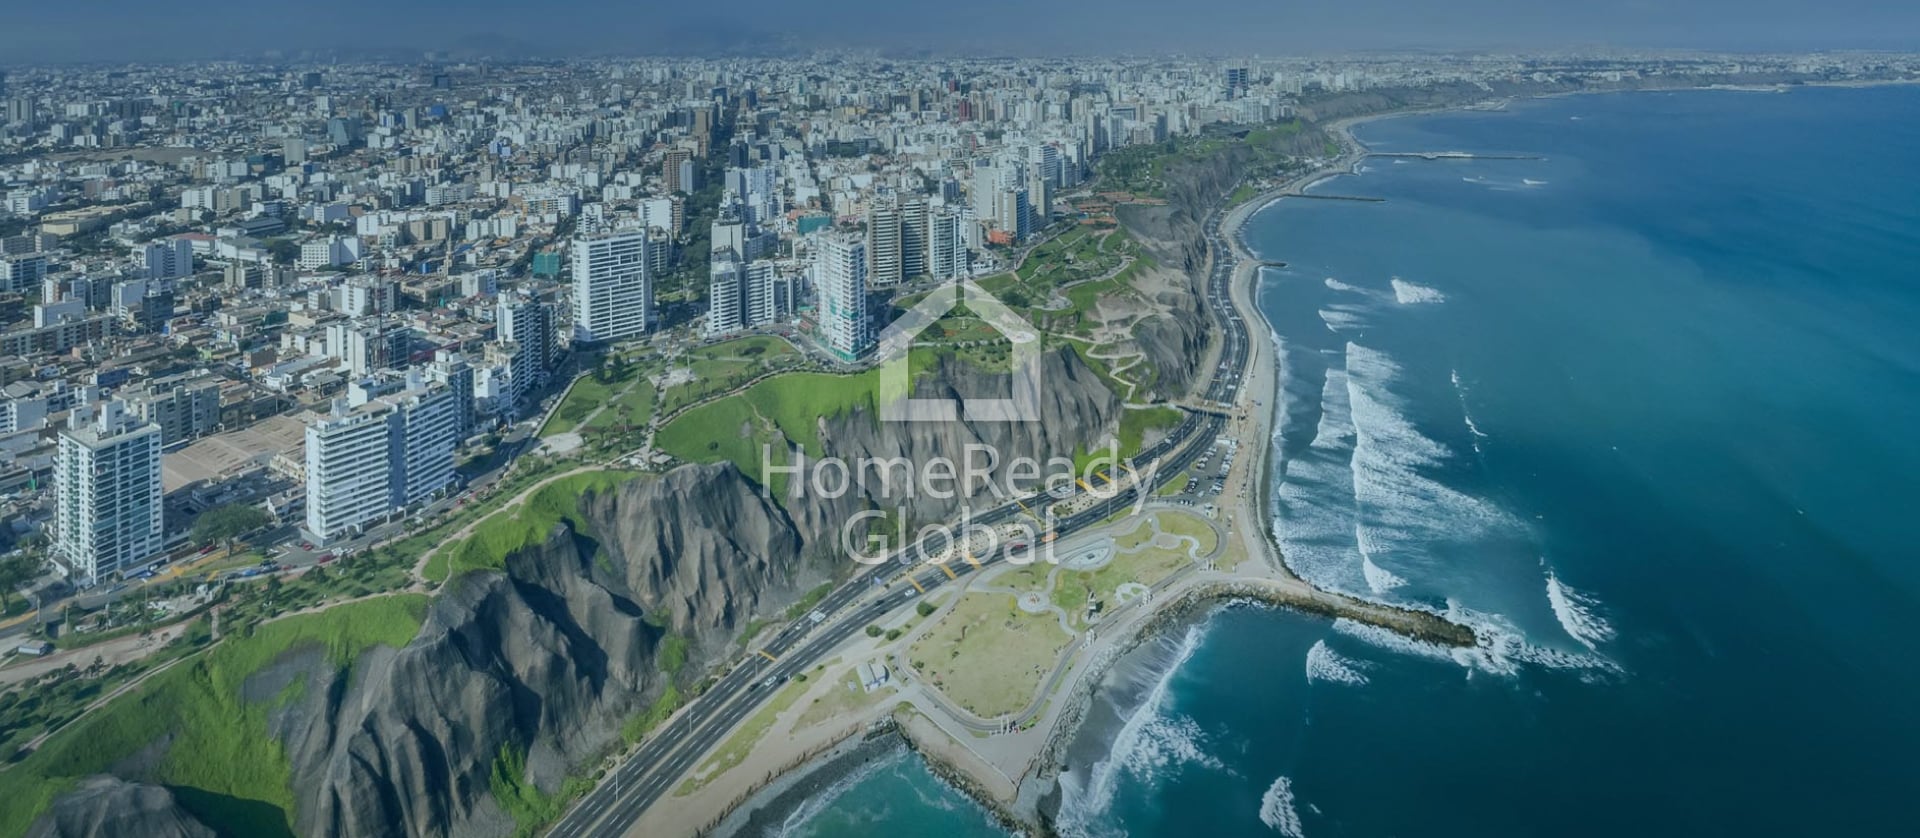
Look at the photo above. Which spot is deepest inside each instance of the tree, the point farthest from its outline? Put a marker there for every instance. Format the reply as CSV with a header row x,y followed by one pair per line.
x,y
17,570
223,524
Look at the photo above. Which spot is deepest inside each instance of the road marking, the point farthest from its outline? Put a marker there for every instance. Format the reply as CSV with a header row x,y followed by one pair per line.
x,y
1083,483
914,582
946,570
973,561
768,655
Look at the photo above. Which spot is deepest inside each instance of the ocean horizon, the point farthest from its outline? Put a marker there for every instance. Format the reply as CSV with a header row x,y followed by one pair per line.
x,y
1637,408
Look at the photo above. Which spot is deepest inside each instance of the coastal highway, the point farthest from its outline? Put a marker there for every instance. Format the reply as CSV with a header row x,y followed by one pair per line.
x,y
651,771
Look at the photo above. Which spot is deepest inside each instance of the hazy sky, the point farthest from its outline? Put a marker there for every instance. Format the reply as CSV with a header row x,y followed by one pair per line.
x,y
40,30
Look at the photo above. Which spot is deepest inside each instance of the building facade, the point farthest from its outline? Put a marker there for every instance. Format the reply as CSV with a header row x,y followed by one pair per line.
x,y
107,494
612,286
840,280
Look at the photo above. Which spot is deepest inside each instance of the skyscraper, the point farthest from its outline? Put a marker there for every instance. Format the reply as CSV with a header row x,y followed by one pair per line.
x,y
913,236
946,253
725,296
840,280
612,286
883,243
107,494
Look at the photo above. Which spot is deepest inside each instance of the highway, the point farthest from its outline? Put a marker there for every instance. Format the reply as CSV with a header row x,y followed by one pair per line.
x,y
652,770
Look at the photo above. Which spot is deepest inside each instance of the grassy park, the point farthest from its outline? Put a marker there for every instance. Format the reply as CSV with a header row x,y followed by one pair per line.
x,y
987,655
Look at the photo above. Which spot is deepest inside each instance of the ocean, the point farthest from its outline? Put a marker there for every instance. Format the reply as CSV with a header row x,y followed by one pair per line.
x,y
1643,411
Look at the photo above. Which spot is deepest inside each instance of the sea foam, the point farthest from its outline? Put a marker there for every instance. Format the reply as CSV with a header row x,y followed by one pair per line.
x,y
1328,666
1407,293
1149,740
1578,614
1276,809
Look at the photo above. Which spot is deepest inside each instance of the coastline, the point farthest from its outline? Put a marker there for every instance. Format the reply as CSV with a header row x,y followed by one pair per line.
x,y
1252,507
1030,807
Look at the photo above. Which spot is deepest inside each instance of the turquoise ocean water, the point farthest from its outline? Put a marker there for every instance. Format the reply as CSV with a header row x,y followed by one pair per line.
x,y
1643,411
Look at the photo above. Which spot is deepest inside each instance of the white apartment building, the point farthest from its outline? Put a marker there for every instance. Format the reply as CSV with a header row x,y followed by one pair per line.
x,y
840,280
725,311
107,493
612,286
884,263
367,462
946,251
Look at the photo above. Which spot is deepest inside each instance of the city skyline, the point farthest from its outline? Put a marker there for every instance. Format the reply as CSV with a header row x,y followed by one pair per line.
x,y
119,30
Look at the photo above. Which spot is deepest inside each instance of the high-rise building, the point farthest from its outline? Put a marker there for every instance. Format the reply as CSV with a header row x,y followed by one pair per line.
x,y
946,253
679,172
1013,214
612,286
1236,81
22,272
726,311
913,236
883,244
986,193
184,406
368,345
451,370
763,303
168,259
840,280
107,493
1039,202
364,463
522,319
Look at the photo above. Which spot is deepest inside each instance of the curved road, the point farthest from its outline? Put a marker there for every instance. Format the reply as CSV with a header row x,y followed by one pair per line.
x,y
650,772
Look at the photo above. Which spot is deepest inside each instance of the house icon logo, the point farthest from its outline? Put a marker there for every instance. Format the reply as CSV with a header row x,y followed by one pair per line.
x,y
897,403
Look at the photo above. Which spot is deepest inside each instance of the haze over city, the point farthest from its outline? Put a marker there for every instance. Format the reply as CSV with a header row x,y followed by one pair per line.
x,y
130,30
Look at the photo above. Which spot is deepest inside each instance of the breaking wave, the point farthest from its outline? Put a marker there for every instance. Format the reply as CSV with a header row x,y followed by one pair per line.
x,y
1150,740
1326,665
1379,579
1578,614
1276,809
1407,293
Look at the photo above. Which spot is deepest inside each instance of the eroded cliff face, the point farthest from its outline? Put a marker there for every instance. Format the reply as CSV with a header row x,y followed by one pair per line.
x,y
108,807
547,659
1076,411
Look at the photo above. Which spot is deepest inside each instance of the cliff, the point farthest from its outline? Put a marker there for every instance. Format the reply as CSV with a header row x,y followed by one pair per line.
x,y
108,807
1076,410
546,660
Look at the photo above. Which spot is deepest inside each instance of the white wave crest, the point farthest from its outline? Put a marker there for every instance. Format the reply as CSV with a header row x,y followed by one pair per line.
x,y
1341,318
1531,182
1325,664
1379,579
1147,742
1276,809
797,822
1578,613
1460,390
1407,293
1405,510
